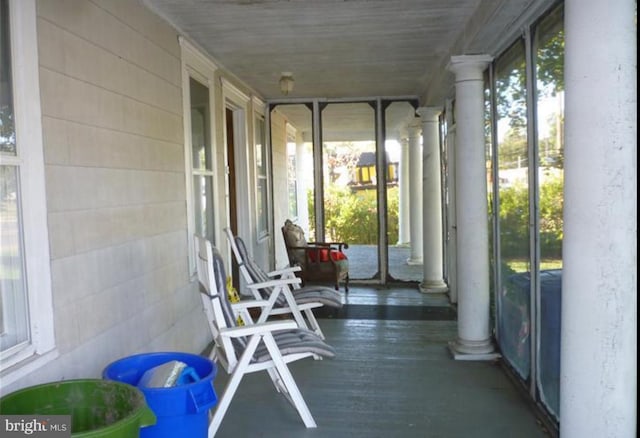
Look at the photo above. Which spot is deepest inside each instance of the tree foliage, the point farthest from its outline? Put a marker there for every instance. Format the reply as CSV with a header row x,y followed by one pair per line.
x,y
352,216
514,219
511,76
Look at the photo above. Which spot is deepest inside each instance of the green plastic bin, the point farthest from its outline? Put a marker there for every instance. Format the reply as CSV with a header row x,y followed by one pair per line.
x,y
98,408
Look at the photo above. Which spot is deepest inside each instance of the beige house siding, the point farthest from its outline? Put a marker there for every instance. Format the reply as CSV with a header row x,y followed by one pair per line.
x,y
115,180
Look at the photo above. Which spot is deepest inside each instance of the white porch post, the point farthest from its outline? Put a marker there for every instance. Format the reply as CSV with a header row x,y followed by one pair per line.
x,y
598,380
403,207
415,193
432,203
302,164
474,340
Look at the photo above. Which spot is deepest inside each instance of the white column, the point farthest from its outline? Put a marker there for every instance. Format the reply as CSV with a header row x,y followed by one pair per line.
x,y
598,381
403,183
415,193
431,203
474,338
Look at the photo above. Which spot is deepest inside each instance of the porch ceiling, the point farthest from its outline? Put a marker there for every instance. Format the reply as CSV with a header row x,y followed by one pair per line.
x,y
345,48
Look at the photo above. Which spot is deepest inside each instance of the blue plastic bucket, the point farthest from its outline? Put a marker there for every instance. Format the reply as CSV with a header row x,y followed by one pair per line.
x,y
181,410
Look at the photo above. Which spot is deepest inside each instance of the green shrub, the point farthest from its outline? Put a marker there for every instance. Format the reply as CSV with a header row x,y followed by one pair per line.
x,y
514,219
351,216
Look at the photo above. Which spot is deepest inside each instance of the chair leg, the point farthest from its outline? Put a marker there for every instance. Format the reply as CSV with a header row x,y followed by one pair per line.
x,y
288,381
346,284
313,322
224,402
232,386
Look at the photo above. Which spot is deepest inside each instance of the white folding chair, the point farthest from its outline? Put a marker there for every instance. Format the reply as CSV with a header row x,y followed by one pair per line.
x,y
282,288
250,348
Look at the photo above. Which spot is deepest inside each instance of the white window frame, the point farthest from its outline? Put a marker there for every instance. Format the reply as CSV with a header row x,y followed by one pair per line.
x,y
199,67
30,161
258,113
292,133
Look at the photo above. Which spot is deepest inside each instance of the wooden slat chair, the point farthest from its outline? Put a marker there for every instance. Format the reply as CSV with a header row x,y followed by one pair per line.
x,y
267,346
320,262
281,288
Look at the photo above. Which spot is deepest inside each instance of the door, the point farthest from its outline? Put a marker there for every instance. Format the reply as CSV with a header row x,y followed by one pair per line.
x,y
402,178
232,185
331,156
350,179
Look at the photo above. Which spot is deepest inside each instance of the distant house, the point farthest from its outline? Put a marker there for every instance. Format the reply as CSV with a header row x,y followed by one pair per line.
x,y
364,174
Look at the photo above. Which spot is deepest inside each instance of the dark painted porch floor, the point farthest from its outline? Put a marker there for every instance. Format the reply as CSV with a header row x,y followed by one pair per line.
x,y
363,263
393,377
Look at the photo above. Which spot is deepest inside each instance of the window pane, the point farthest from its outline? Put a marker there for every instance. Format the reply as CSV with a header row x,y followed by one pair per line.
x,y
550,105
350,188
397,117
292,181
261,159
513,197
295,118
350,204
203,205
7,130
14,324
489,154
200,140
262,206
261,172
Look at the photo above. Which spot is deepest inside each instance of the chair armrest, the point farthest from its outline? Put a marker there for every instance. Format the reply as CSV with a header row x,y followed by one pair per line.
x,y
310,246
275,282
344,244
317,246
265,327
313,251
284,271
336,245
340,245
249,304
301,307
